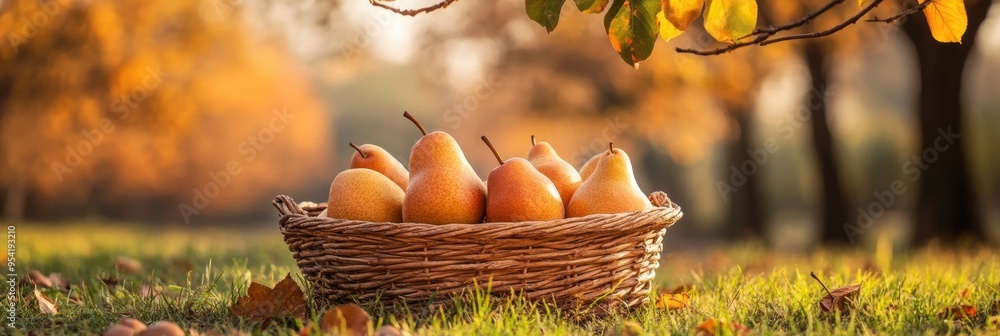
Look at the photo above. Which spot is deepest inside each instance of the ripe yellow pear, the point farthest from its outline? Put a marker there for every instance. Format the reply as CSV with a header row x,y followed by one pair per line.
x,y
443,188
518,192
561,173
588,168
364,194
611,189
375,158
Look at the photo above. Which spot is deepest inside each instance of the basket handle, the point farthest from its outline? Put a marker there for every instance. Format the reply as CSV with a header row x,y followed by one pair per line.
x,y
660,199
286,206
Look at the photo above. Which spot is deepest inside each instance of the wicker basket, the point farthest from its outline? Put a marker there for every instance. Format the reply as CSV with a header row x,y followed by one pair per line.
x,y
597,260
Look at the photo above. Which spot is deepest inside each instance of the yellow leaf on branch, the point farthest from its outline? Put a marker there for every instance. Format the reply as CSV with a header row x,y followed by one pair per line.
x,y
667,29
947,19
730,20
681,13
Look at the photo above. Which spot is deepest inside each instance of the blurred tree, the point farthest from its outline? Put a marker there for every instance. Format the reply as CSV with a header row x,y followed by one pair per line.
x,y
137,109
946,208
834,201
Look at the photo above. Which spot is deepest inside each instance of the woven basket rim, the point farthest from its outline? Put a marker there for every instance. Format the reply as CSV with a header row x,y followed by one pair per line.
x,y
288,209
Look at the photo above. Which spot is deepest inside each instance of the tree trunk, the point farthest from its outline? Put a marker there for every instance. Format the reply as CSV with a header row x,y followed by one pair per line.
x,y
946,207
834,214
746,213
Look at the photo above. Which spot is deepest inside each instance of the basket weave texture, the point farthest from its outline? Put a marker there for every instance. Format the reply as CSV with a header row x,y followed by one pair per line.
x,y
604,259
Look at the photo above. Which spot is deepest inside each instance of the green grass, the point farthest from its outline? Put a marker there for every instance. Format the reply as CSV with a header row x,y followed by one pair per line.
x,y
770,293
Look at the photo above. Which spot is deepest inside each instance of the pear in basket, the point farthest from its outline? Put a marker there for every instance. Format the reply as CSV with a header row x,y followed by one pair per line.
x,y
518,192
375,158
443,186
611,189
561,173
588,168
364,194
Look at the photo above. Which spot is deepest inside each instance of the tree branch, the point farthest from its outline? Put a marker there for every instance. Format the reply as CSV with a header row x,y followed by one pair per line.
x,y
913,10
832,30
413,12
763,36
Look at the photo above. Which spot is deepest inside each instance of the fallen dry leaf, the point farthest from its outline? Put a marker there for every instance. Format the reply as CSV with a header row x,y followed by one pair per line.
x,y
119,330
627,328
841,299
38,279
127,265
74,298
387,330
181,264
111,281
674,301
58,281
216,332
163,328
149,291
713,327
45,304
263,304
133,324
964,293
957,312
346,320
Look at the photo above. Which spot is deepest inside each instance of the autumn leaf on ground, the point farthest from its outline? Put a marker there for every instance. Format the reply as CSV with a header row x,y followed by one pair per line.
x,y
545,12
964,293
53,280
263,304
681,13
128,265
111,281
841,299
947,19
632,28
730,20
387,330
627,328
957,312
45,304
713,327
674,301
346,320
147,291
38,279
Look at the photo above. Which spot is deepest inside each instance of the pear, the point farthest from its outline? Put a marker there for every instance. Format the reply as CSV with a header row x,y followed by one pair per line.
x,y
518,192
588,168
611,189
364,194
561,173
443,186
375,158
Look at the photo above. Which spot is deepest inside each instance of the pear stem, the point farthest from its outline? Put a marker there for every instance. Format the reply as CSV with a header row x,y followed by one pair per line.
x,y
415,122
363,155
487,141
532,139
611,147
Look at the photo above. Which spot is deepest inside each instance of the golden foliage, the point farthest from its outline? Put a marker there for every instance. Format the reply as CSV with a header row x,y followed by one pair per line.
x,y
113,99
